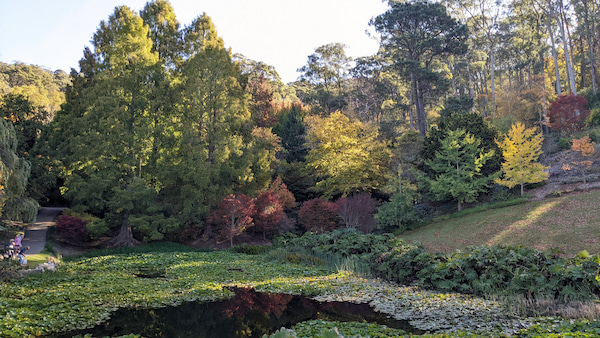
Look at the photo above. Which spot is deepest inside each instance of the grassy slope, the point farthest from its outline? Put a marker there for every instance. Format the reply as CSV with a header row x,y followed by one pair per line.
x,y
571,223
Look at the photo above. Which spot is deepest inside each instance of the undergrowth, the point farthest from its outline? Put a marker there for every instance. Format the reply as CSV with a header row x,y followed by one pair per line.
x,y
499,271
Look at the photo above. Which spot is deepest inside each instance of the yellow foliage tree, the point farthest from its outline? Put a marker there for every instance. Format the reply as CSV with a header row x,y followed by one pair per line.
x,y
521,150
345,155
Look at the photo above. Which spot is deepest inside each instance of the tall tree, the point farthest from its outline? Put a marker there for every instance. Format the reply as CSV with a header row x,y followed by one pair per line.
x,y
415,34
112,130
521,149
326,71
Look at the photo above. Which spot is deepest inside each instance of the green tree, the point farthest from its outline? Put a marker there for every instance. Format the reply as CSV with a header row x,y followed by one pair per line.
x,y
399,212
112,129
14,174
416,34
346,156
457,169
521,149
292,131
473,124
163,30
212,148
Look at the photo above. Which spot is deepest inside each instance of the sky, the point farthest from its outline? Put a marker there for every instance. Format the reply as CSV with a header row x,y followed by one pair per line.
x,y
281,33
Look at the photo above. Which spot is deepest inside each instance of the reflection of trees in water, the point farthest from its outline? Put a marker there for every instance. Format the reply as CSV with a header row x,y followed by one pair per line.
x,y
247,314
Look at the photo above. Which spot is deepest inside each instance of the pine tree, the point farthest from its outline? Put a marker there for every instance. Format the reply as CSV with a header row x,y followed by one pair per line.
x,y
521,150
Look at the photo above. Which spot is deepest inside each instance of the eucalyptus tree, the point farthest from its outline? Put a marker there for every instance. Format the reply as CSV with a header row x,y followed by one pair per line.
x,y
415,35
326,72
588,16
483,18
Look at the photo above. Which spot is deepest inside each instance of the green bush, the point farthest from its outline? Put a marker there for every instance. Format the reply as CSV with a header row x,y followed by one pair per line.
x,y
593,120
481,270
251,249
564,143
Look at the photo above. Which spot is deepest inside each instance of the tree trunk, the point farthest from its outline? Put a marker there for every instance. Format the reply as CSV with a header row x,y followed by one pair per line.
x,y
459,206
492,69
591,50
420,108
570,70
471,91
124,238
555,57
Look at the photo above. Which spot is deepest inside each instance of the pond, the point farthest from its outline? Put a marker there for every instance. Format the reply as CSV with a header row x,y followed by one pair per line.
x,y
247,314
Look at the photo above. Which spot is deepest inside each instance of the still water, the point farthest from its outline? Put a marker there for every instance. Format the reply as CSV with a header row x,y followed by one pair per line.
x,y
247,314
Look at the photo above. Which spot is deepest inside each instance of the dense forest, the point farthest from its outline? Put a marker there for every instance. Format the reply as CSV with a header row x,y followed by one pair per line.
x,y
165,134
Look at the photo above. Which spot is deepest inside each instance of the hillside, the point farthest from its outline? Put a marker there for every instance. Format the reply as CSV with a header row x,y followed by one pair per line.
x,y
570,222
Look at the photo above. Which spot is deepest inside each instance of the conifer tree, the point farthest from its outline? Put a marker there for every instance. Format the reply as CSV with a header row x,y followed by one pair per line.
x,y
521,149
457,169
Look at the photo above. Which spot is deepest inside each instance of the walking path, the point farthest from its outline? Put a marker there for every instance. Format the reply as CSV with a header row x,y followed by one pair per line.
x,y
35,234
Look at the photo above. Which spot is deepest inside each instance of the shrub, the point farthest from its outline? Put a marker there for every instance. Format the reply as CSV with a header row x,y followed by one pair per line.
x,y
356,212
399,213
593,120
71,229
251,249
318,215
568,113
481,270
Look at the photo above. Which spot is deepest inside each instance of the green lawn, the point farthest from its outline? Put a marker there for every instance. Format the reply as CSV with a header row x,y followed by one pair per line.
x,y
570,223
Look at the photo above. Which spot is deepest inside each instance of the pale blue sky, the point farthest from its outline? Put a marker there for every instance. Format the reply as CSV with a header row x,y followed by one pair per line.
x,y
282,33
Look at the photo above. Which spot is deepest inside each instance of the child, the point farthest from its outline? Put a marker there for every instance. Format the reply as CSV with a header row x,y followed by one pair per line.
x,y
21,255
18,240
11,248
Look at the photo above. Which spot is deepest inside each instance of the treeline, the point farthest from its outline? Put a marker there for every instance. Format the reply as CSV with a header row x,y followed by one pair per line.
x,y
166,134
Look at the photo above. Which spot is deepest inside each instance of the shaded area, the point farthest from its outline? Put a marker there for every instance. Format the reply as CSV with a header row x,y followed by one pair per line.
x,y
247,314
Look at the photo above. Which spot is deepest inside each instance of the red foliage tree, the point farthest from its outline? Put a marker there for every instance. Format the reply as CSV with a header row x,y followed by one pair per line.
x,y
318,215
261,103
357,212
71,229
232,216
568,112
269,213
285,196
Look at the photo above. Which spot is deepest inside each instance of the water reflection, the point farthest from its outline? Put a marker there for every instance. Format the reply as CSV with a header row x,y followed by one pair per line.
x,y
247,314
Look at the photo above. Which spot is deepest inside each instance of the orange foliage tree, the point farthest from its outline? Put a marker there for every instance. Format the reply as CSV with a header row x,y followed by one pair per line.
x,y
587,149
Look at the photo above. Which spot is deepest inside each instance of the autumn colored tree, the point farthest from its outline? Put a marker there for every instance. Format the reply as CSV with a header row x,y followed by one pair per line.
x,y
268,213
356,211
568,112
457,169
346,155
232,216
318,215
587,149
521,149
285,196
261,102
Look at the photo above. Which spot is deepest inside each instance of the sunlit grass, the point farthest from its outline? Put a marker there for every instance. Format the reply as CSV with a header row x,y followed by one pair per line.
x,y
569,223
34,260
